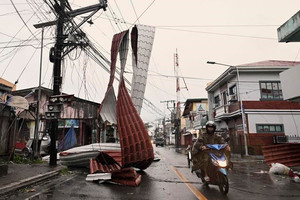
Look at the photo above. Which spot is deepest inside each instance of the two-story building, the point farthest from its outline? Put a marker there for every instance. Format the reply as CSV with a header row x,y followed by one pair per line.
x,y
256,88
195,116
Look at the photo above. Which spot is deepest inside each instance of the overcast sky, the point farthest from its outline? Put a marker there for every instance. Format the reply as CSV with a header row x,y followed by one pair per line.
x,y
226,31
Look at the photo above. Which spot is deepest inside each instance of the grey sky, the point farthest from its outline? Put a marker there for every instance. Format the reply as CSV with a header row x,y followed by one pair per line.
x,y
226,31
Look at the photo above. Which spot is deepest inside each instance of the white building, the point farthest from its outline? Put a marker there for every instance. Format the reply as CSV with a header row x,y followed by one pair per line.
x,y
257,88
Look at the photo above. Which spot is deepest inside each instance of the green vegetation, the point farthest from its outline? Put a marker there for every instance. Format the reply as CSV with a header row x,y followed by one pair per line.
x,y
23,160
65,172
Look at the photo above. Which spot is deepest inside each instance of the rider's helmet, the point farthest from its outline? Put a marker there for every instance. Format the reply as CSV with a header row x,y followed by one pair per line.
x,y
210,124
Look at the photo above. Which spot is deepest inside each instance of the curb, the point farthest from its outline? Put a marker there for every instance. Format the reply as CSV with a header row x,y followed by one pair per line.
x,y
28,181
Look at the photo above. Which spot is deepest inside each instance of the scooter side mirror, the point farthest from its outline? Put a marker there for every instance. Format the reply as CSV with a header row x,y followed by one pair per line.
x,y
227,139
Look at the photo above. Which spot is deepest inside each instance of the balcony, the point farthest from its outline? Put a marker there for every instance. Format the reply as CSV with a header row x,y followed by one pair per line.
x,y
227,111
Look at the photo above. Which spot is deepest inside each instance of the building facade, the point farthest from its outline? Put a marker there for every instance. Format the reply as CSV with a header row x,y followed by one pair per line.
x,y
256,88
195,115
79,112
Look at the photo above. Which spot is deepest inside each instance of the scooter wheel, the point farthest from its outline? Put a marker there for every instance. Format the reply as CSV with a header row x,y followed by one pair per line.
x,y
223,184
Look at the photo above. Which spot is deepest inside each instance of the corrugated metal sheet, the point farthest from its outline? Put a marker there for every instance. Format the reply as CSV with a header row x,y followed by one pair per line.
x,y
136,147
141,41
107,110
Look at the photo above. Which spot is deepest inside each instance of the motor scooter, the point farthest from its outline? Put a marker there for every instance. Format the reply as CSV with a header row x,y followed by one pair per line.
x,y
217,167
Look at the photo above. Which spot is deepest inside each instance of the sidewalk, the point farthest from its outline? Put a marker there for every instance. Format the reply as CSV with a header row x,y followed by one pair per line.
x,y
22,175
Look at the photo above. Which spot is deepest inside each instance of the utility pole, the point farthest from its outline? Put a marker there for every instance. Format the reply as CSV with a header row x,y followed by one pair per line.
x,y
164,119
177,118
56,57
58,48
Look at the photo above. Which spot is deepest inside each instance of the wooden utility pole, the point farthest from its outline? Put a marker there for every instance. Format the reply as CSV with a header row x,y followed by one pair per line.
x,y
56,56
57,79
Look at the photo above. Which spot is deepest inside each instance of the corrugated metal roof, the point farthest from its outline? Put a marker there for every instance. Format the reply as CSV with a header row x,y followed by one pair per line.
x,y
136,147
142,40
108,107
137,150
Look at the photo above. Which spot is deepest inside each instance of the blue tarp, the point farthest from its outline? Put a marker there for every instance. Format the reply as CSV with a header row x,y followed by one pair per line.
x,y
69,140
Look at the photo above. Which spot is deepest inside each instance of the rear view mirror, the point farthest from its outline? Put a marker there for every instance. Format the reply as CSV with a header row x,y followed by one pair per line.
x,y
227,139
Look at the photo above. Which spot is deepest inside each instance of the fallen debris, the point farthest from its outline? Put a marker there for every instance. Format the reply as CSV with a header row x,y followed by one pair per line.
x,y
105,168
280,169
98,177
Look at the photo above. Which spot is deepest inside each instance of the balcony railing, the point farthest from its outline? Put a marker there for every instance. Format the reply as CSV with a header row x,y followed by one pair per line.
x,y
226,109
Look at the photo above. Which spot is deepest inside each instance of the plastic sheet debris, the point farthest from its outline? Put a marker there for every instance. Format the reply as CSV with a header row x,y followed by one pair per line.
x,y
280,169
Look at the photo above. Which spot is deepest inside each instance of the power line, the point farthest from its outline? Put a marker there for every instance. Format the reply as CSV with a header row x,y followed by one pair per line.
x,y
135,11
112,14
22,18
224,25
223,34
144,11
25,66
161,89
16,48
121,14
172,76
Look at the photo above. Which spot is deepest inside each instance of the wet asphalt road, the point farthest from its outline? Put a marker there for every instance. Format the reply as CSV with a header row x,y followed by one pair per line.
x,y
170,179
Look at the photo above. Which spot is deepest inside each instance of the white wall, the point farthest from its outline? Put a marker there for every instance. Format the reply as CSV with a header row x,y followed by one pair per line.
x,y
290,122
221,124
289,82
249,84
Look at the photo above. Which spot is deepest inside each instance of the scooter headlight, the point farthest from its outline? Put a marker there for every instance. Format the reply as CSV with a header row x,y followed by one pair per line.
x,y
222,163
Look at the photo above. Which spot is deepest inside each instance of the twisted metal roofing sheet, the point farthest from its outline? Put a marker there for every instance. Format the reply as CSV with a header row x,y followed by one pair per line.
x,y
107,110
136,147
141,41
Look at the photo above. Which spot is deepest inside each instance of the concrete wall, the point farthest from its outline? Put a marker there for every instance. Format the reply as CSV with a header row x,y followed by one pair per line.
x,y
291,121
289,82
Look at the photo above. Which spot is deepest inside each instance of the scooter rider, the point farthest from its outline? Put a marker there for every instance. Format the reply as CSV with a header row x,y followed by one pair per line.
x,y
199,158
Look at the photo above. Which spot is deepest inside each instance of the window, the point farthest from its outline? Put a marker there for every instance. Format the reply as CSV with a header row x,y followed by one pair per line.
x,y
270,90
217,101
232,90
224,97
269,128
